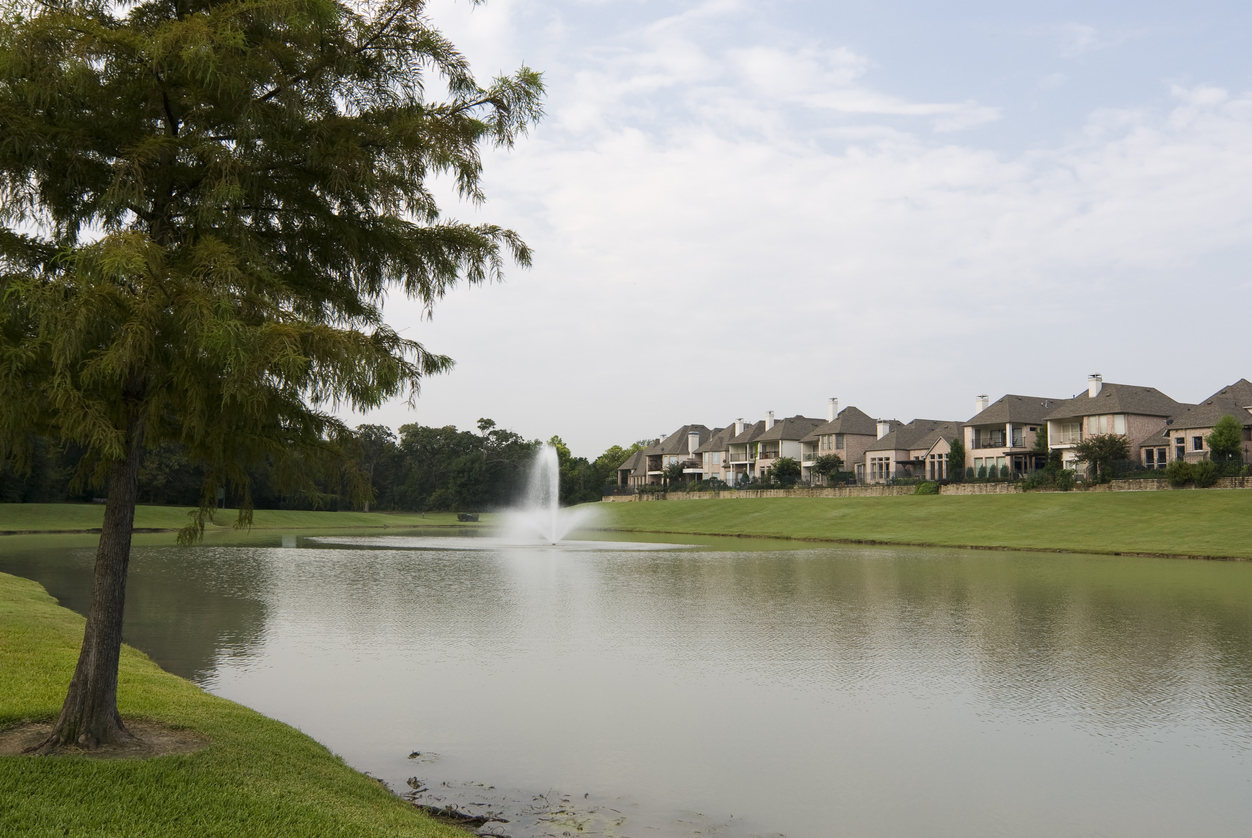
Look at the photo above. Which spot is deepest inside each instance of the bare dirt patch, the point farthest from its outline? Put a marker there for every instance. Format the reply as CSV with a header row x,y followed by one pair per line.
x,y
153,739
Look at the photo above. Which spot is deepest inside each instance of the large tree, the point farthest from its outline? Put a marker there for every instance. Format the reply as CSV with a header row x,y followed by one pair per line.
x,y
1099,452
1226,440
204,205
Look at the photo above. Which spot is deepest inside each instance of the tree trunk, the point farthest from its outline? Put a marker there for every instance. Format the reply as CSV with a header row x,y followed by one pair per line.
x,y
89,717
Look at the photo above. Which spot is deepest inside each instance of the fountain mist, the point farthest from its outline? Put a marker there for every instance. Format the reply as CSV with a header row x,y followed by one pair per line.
x,y
540,513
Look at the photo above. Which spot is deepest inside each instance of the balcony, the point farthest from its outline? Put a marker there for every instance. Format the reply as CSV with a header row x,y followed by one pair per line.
x,y
740,458
1065,438
999,442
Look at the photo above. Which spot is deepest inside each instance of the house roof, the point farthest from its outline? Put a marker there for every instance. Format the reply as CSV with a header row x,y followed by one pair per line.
x,y
633,462
1118,398
1233,400
750,433
791,427
718,441
851,420
920,433
676,443
1016,409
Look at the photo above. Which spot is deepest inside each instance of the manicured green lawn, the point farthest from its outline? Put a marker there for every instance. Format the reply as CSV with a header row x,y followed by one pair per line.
x,y
257,777
49,517
1192,523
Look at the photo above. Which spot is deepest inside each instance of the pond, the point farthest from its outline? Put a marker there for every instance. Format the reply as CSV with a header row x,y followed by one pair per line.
x,y
725,687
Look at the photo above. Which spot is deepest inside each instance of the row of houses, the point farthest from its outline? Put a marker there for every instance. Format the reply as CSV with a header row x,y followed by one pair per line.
x,y
1000,435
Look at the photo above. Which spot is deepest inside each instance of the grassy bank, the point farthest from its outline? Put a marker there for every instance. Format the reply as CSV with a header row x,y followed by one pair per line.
x,y
256,776
78,517
1200,523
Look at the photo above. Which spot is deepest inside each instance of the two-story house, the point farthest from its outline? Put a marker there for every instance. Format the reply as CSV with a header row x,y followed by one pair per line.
x,y
846,433
782,438
1138,413
906,451
1186,437
741,452
1002,435
715,454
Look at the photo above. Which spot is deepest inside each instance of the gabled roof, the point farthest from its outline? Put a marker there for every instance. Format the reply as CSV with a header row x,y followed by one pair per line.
x,y
1016,409
676,443
851,420
792,427
1234,400
633,462
718,441
750,433
920,433
1118,398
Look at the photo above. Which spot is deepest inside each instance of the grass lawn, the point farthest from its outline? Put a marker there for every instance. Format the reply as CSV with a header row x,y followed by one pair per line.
x,y
1211,522
66,517
256,777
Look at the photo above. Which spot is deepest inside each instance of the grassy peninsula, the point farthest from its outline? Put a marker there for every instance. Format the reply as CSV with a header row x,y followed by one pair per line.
x,y
255,776
1203,523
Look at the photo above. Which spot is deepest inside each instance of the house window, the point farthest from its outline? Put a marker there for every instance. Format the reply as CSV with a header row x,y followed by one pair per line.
x,y
1197,443
839,441
1149,457
1180,449
1119,424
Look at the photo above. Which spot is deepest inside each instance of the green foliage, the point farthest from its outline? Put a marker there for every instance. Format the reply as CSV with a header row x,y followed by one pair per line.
x,y
969,473
204,208
926,488
1099,452
1004,472
982,473
1179,473
1205,474
1226,440
956,458
672,474
786,470
827,466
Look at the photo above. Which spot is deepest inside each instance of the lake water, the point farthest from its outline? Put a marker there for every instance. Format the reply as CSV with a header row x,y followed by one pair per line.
x,y
708,689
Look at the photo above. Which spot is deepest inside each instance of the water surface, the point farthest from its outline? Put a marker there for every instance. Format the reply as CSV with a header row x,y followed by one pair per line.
x,y
708,689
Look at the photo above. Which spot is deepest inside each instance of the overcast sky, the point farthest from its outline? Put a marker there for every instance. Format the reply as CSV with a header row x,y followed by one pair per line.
x,y
739,207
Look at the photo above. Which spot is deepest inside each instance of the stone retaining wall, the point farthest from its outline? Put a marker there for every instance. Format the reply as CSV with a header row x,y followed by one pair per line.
x,y
1147,485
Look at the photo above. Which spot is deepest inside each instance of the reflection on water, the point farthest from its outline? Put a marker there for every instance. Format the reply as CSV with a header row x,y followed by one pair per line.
x,y
867,692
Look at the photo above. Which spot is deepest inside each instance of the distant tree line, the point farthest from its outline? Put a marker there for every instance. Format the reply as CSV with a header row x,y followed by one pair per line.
x,y
419,468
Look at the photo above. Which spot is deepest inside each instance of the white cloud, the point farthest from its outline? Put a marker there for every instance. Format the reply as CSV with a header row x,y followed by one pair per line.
x,y
725,229
1077,39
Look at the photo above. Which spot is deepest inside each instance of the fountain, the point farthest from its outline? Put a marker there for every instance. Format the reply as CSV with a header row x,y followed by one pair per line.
x,y
540,514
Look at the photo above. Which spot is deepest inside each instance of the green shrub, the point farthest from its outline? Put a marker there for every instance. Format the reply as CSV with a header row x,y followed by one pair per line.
x,y
969,473
1065,480
1179,473
926,488
1206,473
1004,472
982,472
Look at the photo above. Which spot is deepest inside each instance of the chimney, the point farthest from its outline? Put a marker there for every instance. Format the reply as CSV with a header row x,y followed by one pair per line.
x,y
769,420
693,442
1094,383
739,426
832,409
884,428
981,403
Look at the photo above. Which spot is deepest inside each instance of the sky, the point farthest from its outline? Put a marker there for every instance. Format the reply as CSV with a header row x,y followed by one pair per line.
x,y
739,207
